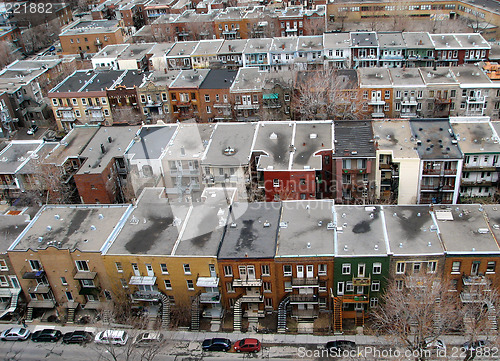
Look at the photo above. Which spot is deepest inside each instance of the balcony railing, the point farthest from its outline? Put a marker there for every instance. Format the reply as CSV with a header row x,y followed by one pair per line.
x,y
479,99
359,298
247,282
41,288
152,296
361,281
304,314
475,281
378,115
305,282
84,275
252,298
376,101
32,274
246,106
210,297
302,299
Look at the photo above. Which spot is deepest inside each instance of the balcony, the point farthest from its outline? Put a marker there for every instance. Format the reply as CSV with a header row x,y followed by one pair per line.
x,y
305,314
252,298
32,274
246,106
475,99
255,313
84,275
378,115
210,297
472,168
409,101
361,281
152,104
142,280
442,101
305,282
431,171
226,105
207,282
42,288
148,296
471,297
184,172
355,299
42,303
475,281
303,299
248,282
450,172
482,182
376,101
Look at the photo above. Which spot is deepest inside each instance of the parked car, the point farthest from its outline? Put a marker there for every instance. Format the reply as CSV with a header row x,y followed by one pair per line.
x,y
247,345
77,337
340,345
148,338
46,335
437,344
32,130
113,337
15,334
216,344
475,345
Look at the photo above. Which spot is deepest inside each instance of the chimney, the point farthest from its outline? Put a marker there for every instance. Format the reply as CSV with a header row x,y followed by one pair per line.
x,y
103,150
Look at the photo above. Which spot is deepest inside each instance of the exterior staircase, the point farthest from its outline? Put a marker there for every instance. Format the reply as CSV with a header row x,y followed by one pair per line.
x,y
13,302
195,313
360,318
282,313
237,315
337,314
29,315
437,317
71,315
165,311
492,318
106,316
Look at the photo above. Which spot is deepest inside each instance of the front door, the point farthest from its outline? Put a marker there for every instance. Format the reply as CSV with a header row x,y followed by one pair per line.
x,y
300,271
212,270
149,269
251,272
310,271
135,267
69,296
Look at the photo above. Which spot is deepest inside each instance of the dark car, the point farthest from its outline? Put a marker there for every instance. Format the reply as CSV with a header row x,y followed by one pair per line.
x,y
247,345
46,335
78,337
32,129
216,344
341,345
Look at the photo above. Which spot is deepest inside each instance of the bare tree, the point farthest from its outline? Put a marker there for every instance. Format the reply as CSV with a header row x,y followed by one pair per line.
x,y
6,53
40,36
417,311
327,94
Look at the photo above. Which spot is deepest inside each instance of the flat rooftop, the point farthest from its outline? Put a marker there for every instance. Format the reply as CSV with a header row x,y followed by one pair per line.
x,y
354,139
190,141
219,79
136,51
96,160
248,79
103,80
72,144
190,78
475,138
445,41
11,227
258,45
16,154
493,217
466,230
274,139
306,233
151,142
230,145
207,47
310,43
434,140
311,138
82,227
395,136
364,39
412,231
359,231
111,51
153,226
284,44
379,77
471,76
472,40
410,77
182,48
252,231
336,40
391,40
74,82
418,40
233,46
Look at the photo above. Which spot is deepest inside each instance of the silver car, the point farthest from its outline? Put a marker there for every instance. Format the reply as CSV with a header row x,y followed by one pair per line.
x,y
15,334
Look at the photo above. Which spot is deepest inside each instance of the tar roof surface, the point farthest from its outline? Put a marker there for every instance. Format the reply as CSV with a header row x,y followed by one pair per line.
x,y
364,39
258,45
391,40
190,78
395,135
74,82
359,228
111,51
153,227
207,47
306,232
193,138
182,48
72,145
121,137
492,213
441,75
248,238
284,44
411,231
274,139
152,143
33,166
418,40
103,80
15,154
83,227
354,136
136,51
445,41
310,138
132,78
248,79
219,79
233,46
462,234
436,141
473,40
235,136
476,137
410,77
10,228
374,76
336,40
310,43
472,76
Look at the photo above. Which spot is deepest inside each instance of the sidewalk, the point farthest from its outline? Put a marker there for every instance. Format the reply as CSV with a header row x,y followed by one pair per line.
x,y
275,338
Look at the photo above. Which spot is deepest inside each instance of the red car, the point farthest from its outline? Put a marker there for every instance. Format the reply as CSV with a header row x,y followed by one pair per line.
x,y
247,345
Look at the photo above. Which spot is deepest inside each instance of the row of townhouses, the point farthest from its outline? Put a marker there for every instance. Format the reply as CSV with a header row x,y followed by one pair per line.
x,y
248,94
299,260
429,161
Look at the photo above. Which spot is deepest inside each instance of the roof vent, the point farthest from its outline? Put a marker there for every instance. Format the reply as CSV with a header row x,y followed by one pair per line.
x,y
496,226
308,244
273,136
354,152
57,216
93,228
345,247
233,225
400,245
101,216
376,247
429,244
313,136
49,228
134,220
229,151
330,226
40,239
482,230
283,224
418,214
320,223
267,224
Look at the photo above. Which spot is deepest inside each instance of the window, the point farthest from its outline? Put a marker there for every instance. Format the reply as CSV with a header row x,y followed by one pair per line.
x,y
398,94
491,267
365,94
77,113
123,281
400,267
453,93
187,269
322,286
119,267
3,281
287,270
373,302
265,270
228,271
399,284
376,286
209,109
455,267
340,288
322,270
276,183
387,94
87,283
229,287
63,281
190,285
168,285
416,267
377,268
207,98
82,266
431,267
267,286
346,269
3,265
268,302
349,286
164,269
35,265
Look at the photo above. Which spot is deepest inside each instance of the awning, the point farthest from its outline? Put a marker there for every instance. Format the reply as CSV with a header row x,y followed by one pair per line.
x,y
142,280
207,282
270,96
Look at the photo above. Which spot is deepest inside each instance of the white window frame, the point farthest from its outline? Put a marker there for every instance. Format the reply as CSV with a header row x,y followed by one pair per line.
x,y
346,268
285,272
187,268
322,269
377,268
164,268
340,288
375,286
228,271
119,267
400,268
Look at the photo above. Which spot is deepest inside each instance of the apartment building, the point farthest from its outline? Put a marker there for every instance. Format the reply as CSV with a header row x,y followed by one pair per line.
x,y
452,50
337,50
377,91
152,95
408,93
475,90
246,93
184,94
441,92
215,104
419,49
107,57
205,53
230,55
